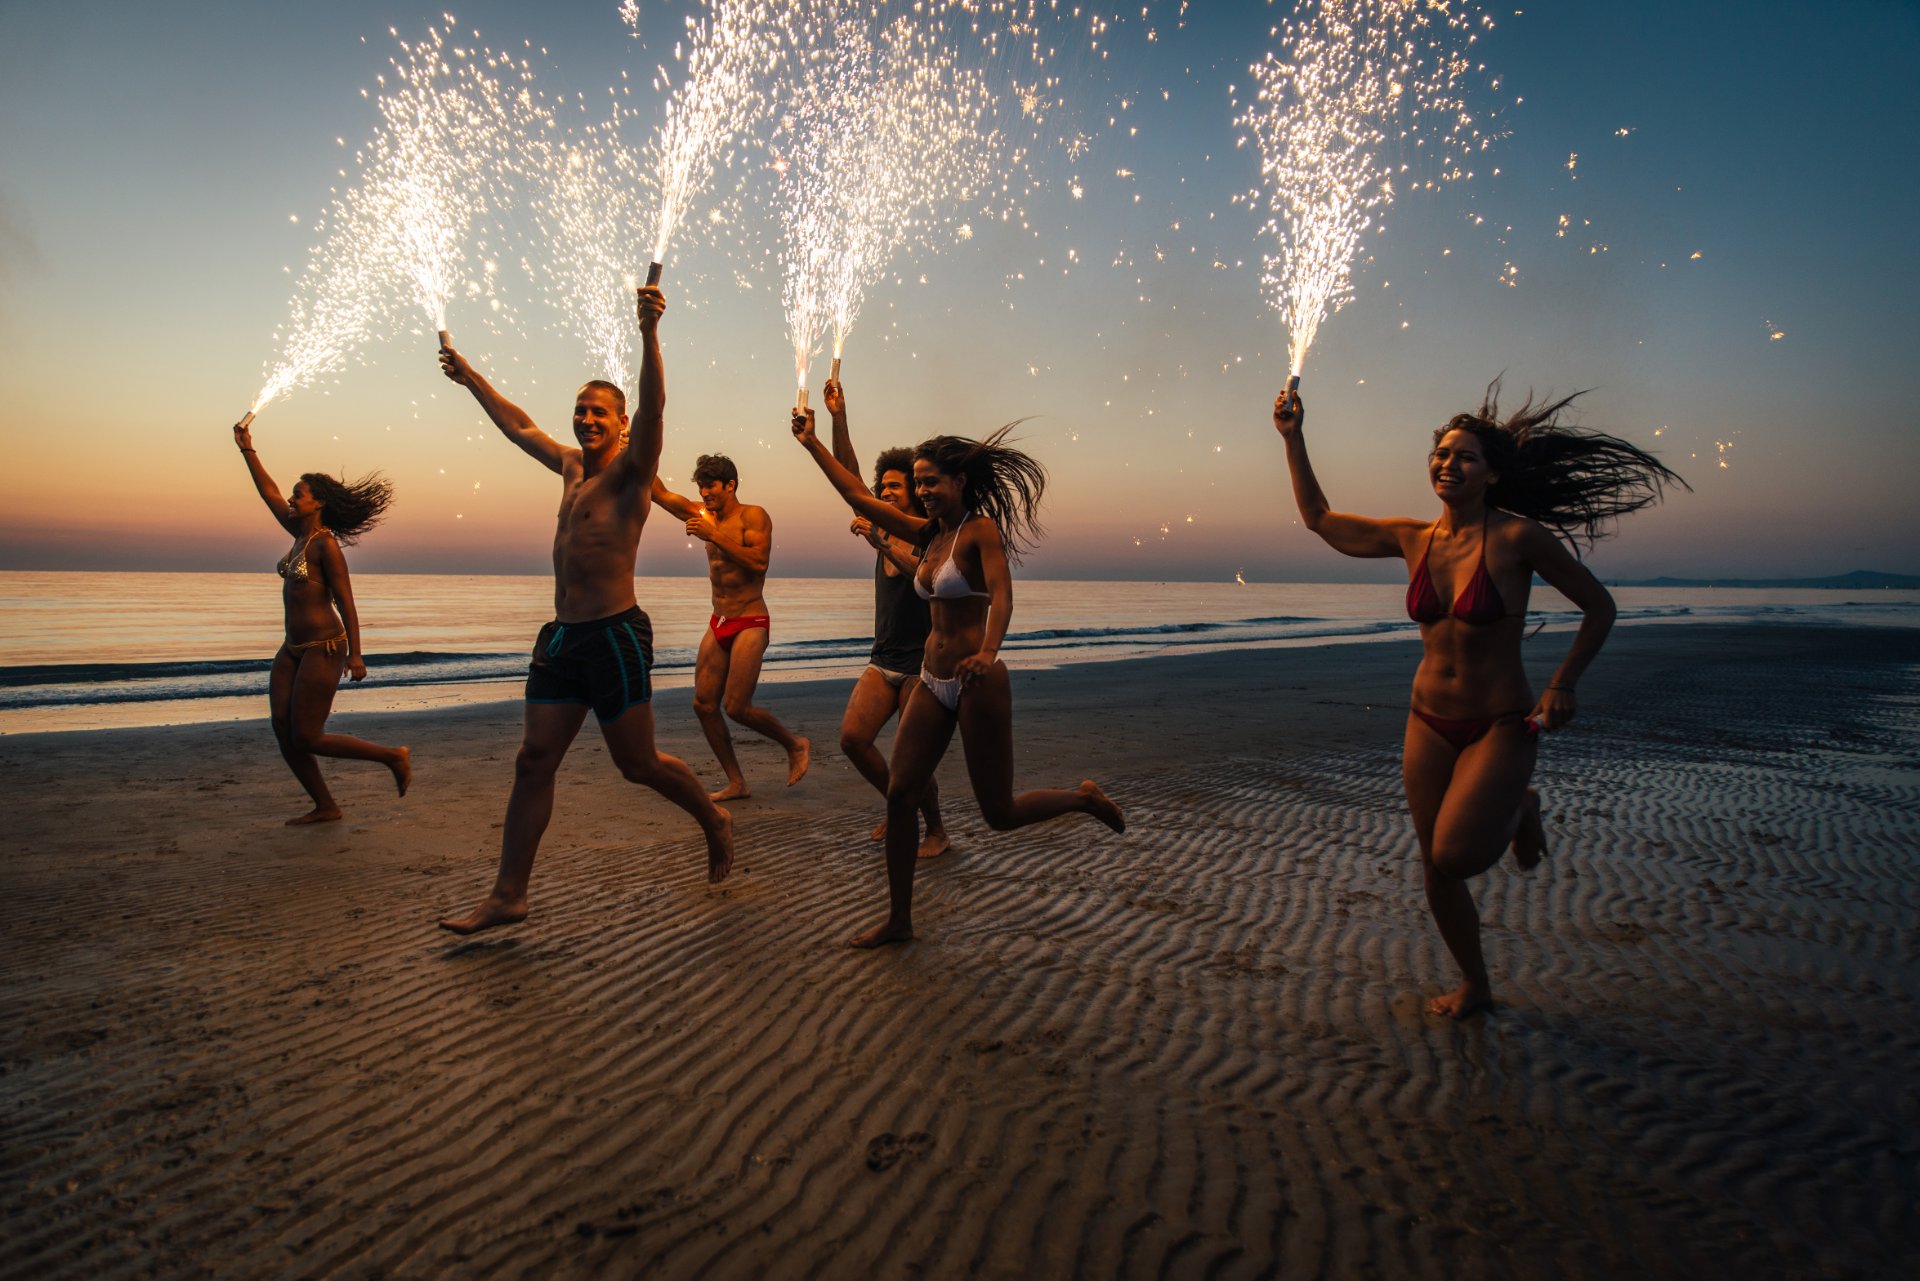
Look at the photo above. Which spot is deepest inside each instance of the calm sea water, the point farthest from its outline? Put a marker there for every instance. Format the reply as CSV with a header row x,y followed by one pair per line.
x,y
94,650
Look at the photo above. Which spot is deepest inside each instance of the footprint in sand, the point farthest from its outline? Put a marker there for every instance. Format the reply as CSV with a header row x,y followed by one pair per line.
x,y
888,1148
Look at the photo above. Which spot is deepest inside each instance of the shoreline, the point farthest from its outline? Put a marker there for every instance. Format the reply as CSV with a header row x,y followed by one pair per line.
x,y
245,1049
783,670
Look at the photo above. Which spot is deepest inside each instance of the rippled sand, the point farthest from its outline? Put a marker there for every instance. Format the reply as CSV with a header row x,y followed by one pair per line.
x,y
1198,1049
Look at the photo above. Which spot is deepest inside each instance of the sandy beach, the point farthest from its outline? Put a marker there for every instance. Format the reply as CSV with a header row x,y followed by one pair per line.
x,y
239,1049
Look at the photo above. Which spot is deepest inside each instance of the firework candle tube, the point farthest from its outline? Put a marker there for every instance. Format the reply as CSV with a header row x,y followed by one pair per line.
x,y
653,274
445,340
247,419
835,375
800,400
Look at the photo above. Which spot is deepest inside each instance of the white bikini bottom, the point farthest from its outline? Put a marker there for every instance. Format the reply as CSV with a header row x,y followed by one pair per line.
x,y
945,688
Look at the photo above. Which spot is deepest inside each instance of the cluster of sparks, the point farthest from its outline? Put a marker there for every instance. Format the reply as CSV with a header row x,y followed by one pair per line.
x,y
880,141
726,55
1362,94
587,210
406,232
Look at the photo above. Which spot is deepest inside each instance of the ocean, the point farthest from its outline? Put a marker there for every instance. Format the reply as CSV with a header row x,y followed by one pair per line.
x,y
102,650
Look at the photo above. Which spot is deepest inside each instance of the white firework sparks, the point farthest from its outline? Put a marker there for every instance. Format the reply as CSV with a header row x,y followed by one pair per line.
x,y
1352,80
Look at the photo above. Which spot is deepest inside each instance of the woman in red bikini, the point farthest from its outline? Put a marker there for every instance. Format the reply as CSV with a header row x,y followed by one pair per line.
x,y
321,644
980,498
1510,493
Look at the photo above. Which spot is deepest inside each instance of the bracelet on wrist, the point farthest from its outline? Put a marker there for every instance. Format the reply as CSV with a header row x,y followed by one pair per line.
x,y
245,450
1565,689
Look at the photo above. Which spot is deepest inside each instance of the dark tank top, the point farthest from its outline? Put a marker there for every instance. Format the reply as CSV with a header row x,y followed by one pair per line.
x,y
900,622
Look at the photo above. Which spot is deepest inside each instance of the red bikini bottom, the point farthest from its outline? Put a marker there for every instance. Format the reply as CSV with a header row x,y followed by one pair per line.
x,y
1464,734
725,629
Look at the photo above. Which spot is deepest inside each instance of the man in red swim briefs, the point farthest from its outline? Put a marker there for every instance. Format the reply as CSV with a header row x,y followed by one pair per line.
x,y
739,539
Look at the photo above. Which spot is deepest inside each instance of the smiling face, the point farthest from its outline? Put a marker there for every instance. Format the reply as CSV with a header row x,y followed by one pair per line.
x,y
301,503
893,489
598,424
1457,468
942,495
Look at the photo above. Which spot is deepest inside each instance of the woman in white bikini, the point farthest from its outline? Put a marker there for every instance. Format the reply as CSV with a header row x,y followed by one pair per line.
x,y
980,499
321,643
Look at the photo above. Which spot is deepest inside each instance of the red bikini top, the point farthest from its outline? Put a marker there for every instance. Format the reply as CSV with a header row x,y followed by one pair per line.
x,y
1477,605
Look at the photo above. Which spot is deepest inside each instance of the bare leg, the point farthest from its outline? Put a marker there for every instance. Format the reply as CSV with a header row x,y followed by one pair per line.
x,y
986,733
869,708
550,730
280,698
1466,808
630,743
743,678
709,687
925,730
314,686
934,843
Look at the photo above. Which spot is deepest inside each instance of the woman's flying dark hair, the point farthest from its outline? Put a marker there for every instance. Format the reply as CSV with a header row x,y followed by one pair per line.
x,y
1000,481
1574,482
900,460
350,509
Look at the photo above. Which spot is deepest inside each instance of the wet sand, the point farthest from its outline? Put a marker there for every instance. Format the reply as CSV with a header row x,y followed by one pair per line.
x,y
1199,1049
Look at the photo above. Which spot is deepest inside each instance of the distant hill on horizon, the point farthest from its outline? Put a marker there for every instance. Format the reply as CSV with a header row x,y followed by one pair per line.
x,y
1857,580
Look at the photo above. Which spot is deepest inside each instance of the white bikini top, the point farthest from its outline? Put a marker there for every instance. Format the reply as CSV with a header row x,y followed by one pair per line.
x,y
948,582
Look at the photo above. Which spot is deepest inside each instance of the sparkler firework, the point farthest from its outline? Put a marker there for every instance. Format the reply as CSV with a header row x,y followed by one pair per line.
x,y
588,215
880,141
1354,80
725,54
406,227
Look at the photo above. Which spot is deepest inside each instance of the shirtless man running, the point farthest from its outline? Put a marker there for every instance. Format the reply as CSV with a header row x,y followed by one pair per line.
x,y
739,540
598,650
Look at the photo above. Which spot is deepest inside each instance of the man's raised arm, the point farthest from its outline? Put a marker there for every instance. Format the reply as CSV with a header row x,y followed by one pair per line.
x,y
836,398
647,429
507,416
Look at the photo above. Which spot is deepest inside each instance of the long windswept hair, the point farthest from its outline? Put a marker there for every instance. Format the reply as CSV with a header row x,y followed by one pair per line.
x,y
1574,482
1000,481
350,508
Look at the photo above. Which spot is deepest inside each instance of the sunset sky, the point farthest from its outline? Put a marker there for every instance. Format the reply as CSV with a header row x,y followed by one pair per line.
x,y
1729,173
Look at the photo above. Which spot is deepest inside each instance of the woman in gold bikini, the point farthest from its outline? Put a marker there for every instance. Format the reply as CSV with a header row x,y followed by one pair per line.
x,y
321,643
980,499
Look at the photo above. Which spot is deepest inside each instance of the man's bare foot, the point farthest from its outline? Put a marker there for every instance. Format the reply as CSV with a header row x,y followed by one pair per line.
x,y
720,850
1463,1002
1530,838
799,756
318,814
402,767
880,831
493,911
731,792
1101,807
882,934
934,844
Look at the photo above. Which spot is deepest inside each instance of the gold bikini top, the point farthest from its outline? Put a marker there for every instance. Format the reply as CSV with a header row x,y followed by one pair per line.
x,y
294,564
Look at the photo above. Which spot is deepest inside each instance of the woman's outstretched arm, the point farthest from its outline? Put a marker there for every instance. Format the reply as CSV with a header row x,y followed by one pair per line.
x,y
1548,557
262,483
1348,535
850,487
